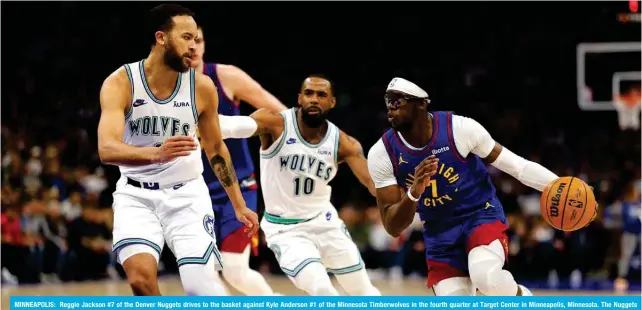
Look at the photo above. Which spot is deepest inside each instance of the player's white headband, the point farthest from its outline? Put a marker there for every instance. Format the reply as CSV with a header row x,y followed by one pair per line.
x,y
407,87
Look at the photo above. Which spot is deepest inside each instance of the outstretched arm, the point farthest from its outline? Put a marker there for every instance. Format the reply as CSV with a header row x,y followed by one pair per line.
x,y
474,138
216,150
351,152
262,121
529,173
248,90
115,97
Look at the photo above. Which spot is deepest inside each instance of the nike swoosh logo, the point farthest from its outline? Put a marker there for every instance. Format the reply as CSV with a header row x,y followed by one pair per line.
x,y
138,103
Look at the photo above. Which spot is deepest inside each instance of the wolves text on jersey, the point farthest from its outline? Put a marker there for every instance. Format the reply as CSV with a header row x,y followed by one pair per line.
x,y
158,126
305,163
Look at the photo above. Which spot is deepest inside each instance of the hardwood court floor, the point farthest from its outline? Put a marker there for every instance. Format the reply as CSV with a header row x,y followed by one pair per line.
x,y
172,286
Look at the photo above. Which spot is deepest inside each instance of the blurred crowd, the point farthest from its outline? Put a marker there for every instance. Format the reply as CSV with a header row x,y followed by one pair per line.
x,y
56,194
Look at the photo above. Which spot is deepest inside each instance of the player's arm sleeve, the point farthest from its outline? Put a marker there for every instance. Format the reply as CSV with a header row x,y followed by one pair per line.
x,y
477,138
237,127
380,167
262,121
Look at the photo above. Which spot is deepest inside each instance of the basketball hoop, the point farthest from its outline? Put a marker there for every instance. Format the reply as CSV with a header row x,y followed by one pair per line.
x,y
590,96
628,109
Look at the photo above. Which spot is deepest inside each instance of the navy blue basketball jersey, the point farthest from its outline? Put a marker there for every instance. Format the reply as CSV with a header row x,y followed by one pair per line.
x,y
631,217
238,148
461,187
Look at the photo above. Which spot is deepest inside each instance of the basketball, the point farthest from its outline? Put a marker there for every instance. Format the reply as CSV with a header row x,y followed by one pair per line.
x,y
568,204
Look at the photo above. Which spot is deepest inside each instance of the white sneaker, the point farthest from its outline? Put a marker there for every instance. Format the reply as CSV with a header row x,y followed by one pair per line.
x,y
8,278
525,291
396,275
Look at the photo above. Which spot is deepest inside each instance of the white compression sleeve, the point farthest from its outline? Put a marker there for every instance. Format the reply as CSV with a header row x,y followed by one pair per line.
x,y
237,127
530,173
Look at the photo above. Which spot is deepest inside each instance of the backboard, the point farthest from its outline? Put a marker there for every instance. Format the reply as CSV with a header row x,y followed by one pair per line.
x,y
606,71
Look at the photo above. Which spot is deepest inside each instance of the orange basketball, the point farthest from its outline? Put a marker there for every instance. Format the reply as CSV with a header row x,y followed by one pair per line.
x,y
568,204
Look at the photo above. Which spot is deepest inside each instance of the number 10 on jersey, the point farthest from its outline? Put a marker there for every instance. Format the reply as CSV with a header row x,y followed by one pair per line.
x,y
303,185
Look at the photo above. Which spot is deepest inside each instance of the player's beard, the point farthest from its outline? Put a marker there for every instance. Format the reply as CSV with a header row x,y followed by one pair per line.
x,y
313,121
402,126
173,60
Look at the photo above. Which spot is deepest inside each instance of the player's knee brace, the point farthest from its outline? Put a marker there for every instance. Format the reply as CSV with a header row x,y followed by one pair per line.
x,y
238,274
201,280
314,280
357,284
485,264
235,269
459,286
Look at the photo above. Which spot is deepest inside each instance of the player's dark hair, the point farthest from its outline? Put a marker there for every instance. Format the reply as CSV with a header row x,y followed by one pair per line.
x,y
160,18
325,77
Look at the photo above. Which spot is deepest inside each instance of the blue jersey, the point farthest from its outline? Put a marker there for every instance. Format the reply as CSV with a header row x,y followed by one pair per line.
x,y
238,148
631,217
460,191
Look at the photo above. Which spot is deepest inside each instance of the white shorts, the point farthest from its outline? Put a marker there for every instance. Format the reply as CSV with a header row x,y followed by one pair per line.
x,y
182,216
322,239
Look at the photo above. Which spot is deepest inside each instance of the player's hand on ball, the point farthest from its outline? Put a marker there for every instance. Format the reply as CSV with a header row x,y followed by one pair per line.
x,y
426,169
174,147
249,219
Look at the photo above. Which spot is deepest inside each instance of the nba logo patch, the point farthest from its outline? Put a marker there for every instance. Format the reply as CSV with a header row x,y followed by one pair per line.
x,y
208,224
328,215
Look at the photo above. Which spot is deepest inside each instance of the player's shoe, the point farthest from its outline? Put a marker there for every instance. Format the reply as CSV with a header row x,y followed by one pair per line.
x,y
525,291
621,285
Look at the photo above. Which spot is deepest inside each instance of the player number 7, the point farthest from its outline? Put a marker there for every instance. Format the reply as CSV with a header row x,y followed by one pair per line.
x,y
433,186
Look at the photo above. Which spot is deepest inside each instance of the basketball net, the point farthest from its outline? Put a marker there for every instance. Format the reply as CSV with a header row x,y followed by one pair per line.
x,y
628,109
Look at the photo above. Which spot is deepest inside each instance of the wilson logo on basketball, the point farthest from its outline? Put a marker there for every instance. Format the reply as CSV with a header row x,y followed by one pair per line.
x,y
554,210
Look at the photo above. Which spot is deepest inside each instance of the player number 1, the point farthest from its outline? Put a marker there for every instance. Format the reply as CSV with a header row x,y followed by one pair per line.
x,y
307,186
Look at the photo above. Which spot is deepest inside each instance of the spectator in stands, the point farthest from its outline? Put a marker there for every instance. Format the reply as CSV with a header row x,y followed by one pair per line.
x,y
89,242
631,226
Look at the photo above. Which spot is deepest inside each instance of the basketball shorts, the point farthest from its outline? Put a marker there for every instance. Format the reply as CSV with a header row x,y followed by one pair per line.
x,y
231,233
180,215
447,251
322,238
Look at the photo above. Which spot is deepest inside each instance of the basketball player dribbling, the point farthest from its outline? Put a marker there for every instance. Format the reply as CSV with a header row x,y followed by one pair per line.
x,y
234,85
149,113
431,163
300,154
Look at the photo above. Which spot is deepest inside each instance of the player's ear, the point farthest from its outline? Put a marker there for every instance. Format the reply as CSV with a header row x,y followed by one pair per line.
x,y
160,37
333,102
299,99
423,104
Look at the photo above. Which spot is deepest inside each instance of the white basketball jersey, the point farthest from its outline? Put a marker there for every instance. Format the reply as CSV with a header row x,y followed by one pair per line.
x,y
295,174
150,121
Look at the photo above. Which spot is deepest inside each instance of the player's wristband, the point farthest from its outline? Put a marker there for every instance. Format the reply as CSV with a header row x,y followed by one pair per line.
x,y
409,194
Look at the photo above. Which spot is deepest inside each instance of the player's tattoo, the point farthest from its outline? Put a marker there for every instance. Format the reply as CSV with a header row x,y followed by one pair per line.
x,y
224,171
